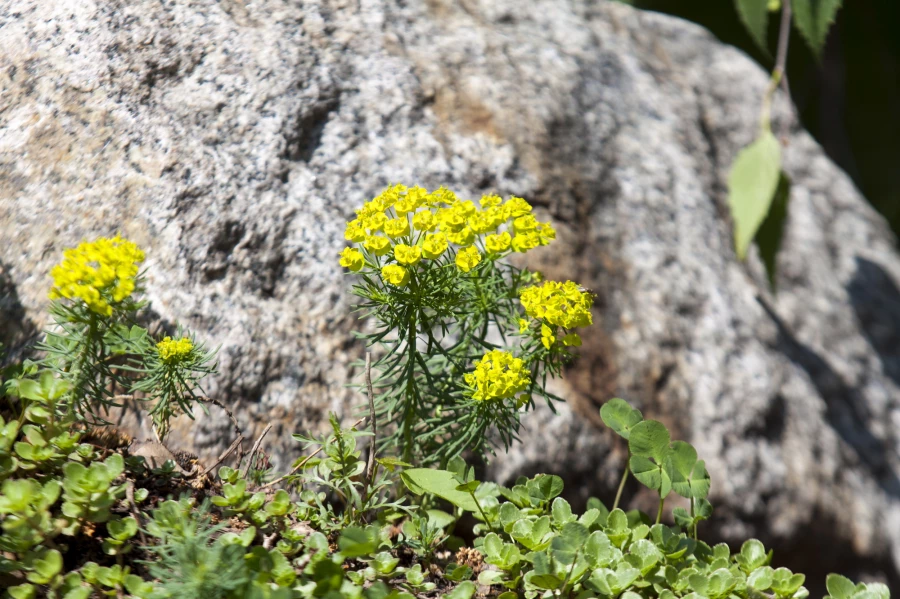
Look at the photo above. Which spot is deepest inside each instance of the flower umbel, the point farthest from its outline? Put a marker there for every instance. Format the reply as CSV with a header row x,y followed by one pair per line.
x,y
499,375
99,273
558,305
173,350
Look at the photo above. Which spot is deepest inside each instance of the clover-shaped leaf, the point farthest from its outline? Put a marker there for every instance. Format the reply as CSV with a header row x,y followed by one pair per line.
x,y
752,556
618,415
561,512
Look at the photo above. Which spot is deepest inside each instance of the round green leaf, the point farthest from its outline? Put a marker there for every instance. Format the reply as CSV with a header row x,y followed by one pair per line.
x,y
618,415
650,439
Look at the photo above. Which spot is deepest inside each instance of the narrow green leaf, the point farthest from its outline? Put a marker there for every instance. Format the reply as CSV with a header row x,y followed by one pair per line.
x,y
814,18
771,231
751,188
754,15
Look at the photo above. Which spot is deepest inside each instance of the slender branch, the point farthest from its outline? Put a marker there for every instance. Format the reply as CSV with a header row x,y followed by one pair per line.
x,y
237,429
253,449
779,73
659,513
225,454
303,463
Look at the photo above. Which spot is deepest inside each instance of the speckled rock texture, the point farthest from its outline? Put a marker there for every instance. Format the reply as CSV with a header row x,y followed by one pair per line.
x,y
232,139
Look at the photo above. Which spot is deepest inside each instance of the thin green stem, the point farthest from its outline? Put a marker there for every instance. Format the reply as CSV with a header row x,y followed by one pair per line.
x,y
692,518
659,513
483,515
621,486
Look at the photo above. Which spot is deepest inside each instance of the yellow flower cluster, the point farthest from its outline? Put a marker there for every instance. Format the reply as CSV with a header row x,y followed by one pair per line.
x,y
409,224
99,273
497,376
557,306
172,350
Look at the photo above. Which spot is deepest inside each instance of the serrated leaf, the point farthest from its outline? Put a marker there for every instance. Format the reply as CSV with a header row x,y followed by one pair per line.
x,y
752,184
754,15
771,231
618,415
814,18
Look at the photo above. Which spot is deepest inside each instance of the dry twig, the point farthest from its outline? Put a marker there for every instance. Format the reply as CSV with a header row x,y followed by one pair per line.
x,y
253,450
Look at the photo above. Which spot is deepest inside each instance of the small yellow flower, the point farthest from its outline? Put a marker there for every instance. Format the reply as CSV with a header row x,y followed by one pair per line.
x,y
523,325
464,237
409,255
397,227
523,242
451,219
546,233
375,222
498,243
548,338
355,232
490,200
352,258
171,350
516,207
525,224
395,274
425,221
377,245
434,245
468,258
498,375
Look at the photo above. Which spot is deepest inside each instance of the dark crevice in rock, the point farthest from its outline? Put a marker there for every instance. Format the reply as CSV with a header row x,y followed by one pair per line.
x,y
17,331
304,140
875,299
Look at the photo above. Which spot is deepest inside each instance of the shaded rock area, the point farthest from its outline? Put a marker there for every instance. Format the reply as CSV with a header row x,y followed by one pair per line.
x,y
233,139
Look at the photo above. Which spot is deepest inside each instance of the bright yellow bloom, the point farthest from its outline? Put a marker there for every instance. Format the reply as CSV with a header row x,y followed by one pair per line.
x,y
395,274
490,200
396,227
434,245
525,224
516,207
468,207
498,375
375,222
560,304
468,258
464,237
376,206
352,258
377,245
498,243
424,221
546,233
483,222
442,196
355,231
525,241
451,219
409,255
548,338
523,325
98,273
172,350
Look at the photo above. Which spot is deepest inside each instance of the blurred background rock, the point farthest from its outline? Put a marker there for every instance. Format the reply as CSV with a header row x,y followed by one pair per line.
x,y
233,139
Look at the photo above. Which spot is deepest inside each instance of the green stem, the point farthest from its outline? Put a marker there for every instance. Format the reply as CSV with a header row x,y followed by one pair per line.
x,y
692,518
409,416
659,513
483,515
621,486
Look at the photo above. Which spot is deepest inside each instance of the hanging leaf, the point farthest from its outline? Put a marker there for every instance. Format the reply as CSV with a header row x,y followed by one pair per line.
x,y
754,15
771,231
751,188
814,18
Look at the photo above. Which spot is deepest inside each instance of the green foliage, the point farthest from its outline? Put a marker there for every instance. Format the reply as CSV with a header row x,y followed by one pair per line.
x,y
751,188
348,531
813,18
754,15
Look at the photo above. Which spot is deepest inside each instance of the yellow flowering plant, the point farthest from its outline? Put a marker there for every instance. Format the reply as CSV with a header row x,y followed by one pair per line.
x,y
97,350
432,272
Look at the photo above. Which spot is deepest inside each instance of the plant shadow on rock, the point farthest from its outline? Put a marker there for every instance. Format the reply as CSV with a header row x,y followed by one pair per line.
x,y
816,549
876,300
17,332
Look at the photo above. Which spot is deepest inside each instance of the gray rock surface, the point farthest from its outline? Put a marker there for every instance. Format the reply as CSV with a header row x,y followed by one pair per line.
x,y
232,139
